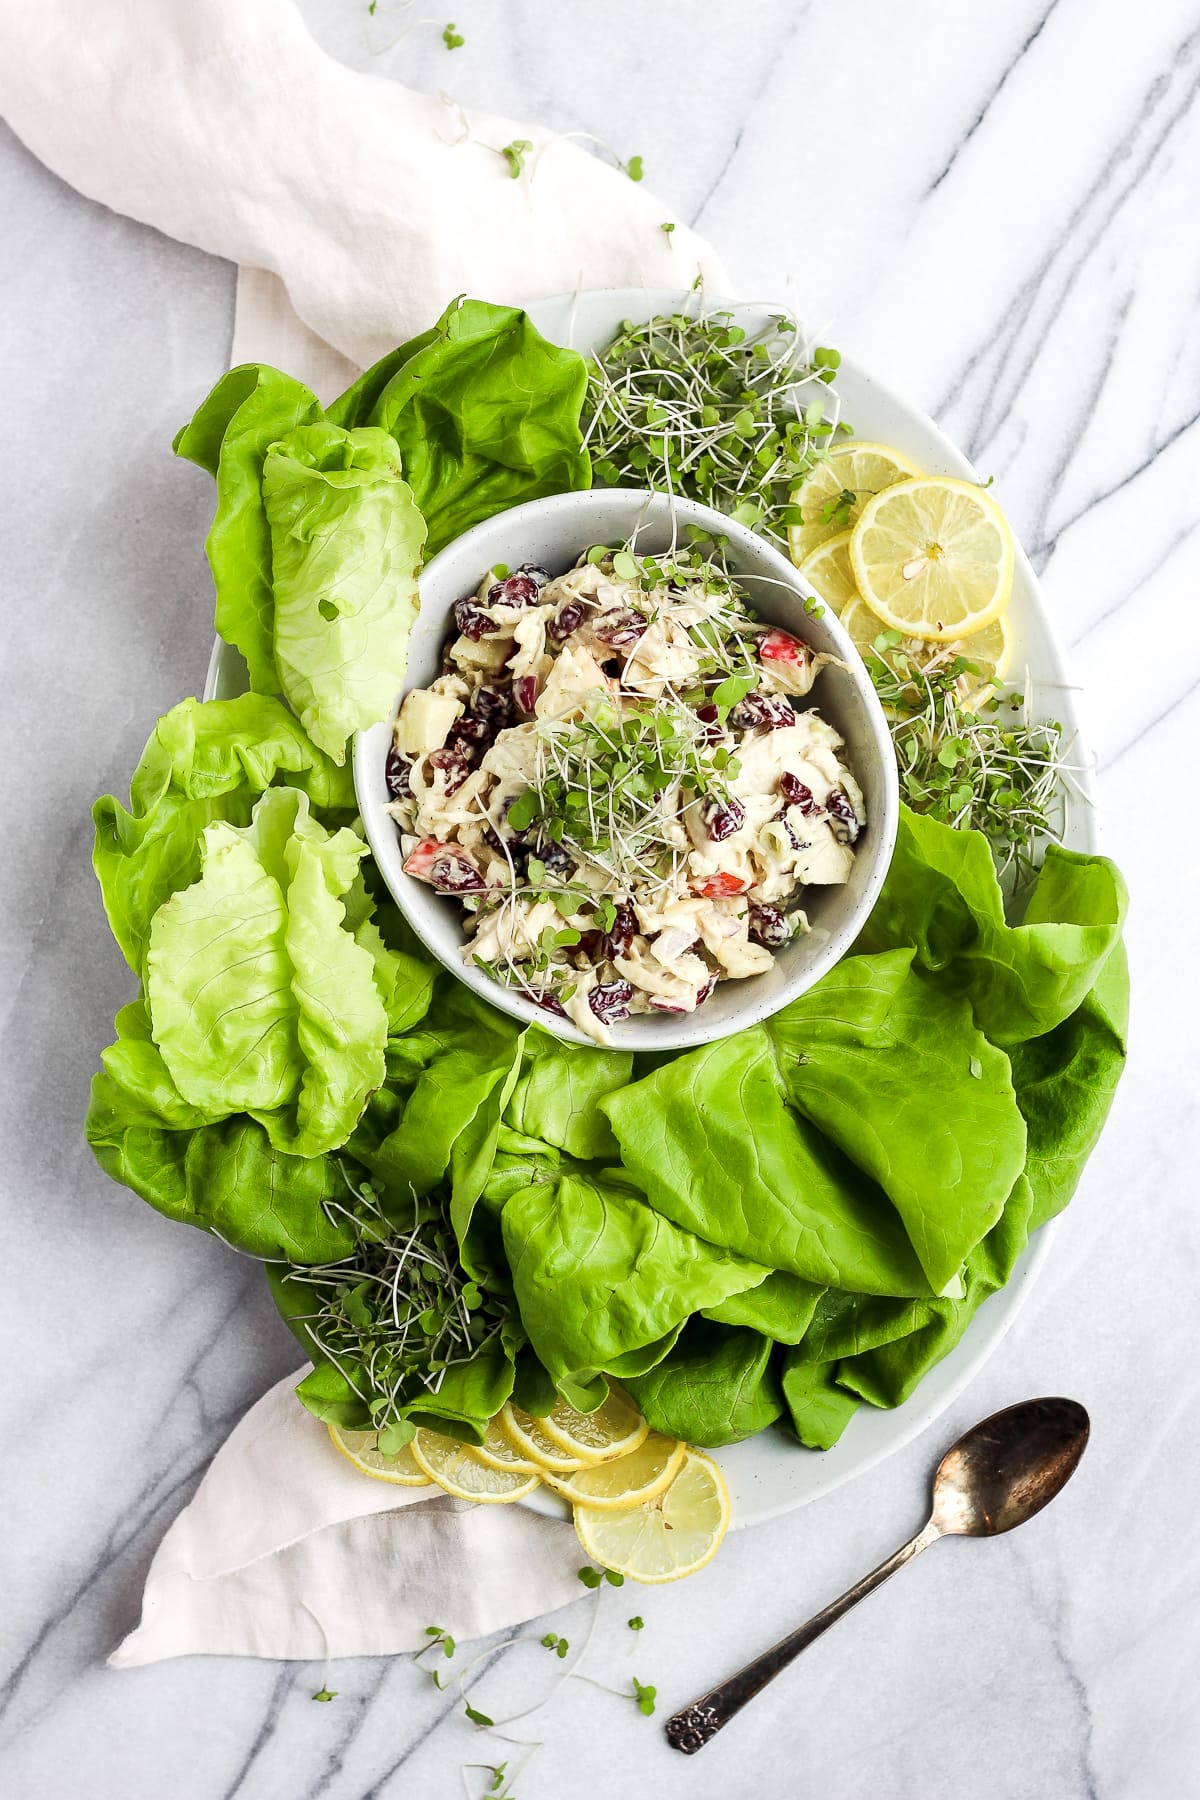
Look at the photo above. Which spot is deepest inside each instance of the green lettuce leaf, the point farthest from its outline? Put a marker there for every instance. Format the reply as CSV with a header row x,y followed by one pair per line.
x,y
715,1387
598,1273
226,1178
346,540
248,411
260,1001
711,1140
484,410
205,761
892,1069
781,1307
818,1409
557,1098
942,896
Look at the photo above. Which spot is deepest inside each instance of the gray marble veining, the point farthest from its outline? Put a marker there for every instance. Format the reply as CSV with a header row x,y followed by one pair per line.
x,y
994,209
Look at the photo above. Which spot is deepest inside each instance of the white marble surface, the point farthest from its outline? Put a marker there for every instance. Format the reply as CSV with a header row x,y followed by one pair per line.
x,y
994,208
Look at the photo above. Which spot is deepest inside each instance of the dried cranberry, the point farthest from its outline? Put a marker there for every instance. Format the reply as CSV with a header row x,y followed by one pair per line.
x,y
660,1005
566,620
396,773
454,767
549,1004
471,622
761,710
768,927
557,860
843,820
796,793
706,991
493,706
721,821
620,934
449,870
539,576
620,629
525,692
514,590
710,718
610,1001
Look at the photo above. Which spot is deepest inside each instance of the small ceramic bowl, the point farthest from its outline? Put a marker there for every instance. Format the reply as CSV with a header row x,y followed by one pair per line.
x,y
554,533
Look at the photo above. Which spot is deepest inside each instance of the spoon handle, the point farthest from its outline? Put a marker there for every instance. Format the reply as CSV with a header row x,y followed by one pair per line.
x,y
691,1729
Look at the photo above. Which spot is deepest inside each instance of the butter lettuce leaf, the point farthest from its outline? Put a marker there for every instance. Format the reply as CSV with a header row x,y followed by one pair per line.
x,y
226,1177
598,1273
484,410
250,409
346,540
711,1140
942,897
893,1070
260,1001
716,1387
206,760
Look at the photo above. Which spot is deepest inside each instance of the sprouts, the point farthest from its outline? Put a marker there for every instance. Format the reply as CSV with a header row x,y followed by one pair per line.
x,y
967,756
398,1313
698,406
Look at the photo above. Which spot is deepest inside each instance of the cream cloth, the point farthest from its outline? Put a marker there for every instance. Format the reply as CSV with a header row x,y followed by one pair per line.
x,y
287,1551
225,125
356,211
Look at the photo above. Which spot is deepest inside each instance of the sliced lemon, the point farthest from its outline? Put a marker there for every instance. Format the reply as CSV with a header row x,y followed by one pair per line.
x,y
358,1447
666,1538
829,569
623,1481
525,1434
833,496
459,1471
614,1429
499,1452
933,557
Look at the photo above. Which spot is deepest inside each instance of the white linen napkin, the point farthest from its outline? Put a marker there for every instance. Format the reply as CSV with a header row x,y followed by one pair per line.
x,y
224,124
287,1551
356,210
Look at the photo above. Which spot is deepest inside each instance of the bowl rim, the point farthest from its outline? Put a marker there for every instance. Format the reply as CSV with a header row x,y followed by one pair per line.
x,y
664,1032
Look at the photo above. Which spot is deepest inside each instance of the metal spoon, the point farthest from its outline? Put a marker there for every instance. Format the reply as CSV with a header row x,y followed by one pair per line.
x,y
1000,1473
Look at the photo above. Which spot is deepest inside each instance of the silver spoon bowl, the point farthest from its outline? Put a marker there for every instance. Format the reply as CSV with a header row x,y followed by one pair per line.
x,y
999,1474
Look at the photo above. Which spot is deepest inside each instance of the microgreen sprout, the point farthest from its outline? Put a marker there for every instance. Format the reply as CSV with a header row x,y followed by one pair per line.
x,y
591,1578
452,38
968,756
697,405
476,1717
667,226
637,1623
326,1694
644,1696
514,155
398,1312
559,1645
634,169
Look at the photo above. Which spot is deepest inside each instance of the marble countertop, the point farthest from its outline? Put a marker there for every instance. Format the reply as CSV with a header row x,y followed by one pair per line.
x,y
994,209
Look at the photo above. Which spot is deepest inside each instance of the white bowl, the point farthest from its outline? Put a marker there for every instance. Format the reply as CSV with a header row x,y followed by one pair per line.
x,y
553,533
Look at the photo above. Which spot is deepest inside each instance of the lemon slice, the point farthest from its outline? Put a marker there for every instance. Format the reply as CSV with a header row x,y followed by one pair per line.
x,y
624,1481
525,1434
613,1429
829,569
358,1447
666,1538
499,1452
858,469
458,1471
933,557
